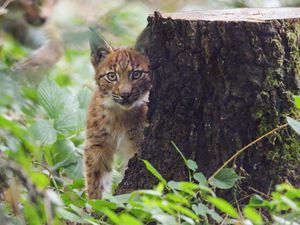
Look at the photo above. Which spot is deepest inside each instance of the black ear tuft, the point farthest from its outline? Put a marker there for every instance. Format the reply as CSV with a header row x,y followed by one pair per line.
x,y
99,47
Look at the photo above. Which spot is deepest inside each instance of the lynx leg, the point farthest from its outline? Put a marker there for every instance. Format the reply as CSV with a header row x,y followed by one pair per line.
x,y
98,170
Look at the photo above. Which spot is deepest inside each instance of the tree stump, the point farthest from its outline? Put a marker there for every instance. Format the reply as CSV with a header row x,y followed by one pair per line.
x,y
222,78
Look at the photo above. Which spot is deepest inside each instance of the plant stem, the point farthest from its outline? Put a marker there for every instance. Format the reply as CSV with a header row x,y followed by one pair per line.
x,y
246,147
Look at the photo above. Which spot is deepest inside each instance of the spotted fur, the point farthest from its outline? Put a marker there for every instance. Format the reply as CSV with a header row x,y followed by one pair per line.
x,y
117,112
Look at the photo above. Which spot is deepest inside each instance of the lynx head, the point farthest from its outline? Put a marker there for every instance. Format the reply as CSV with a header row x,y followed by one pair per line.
x,y
122,74
36,12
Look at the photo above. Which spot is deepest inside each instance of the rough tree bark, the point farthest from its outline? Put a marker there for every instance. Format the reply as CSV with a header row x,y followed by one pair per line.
x,y
222,78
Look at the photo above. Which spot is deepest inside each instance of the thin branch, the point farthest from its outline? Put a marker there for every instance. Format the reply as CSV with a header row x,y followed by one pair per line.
x,y
246,147
3,9
259,192
18,171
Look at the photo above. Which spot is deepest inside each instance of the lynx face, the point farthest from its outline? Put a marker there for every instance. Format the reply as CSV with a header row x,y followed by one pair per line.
x,y
122,75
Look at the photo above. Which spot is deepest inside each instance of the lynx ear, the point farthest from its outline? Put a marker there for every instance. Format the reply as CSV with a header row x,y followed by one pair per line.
x,y
142,41
99,47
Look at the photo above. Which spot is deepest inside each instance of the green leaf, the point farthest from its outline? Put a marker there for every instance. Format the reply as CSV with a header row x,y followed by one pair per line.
x,y
62,153
253,215
118,199
200,178
72,197
99,205
43,132
178,150
165,219
50,97
297,101
256,201
32,213
225,179
176,197
200,209
67,215
183,210
84,97
183,186
39,179
215,215
18,131
192,165
75,170
294,124
67,122
62,106
289,202
127,219
112,216
224,206
152,170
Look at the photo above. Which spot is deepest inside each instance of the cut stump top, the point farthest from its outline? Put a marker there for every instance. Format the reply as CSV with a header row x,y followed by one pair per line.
x,y
240,14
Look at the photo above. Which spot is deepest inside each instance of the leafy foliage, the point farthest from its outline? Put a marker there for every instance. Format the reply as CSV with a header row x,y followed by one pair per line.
x,y
41,141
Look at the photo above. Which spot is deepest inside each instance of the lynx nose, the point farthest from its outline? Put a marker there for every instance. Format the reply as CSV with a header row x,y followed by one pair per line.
x,y
125,95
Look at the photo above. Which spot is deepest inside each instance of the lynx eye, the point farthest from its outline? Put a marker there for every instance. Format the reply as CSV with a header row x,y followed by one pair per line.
x,y
111,77
136,75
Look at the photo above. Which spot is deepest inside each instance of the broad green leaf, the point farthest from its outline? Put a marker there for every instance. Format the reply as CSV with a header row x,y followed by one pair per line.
x,y
256,201
183,210
224,206
33,214
147,192
43,132
200,209
215,215
118,199
289,202
225,179
72,197
61,105
17,131
188,220
192,165
84,96
112,216
62,153
127,219
253,215
154,172
165,219
176,197
174,185
200,178
67,215
39,179
294,124
99,205
297,101
180,153
67,122
50,97
75,169
77,184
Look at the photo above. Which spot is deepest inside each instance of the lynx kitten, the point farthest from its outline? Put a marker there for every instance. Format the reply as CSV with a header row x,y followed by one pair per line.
x,y
117,112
